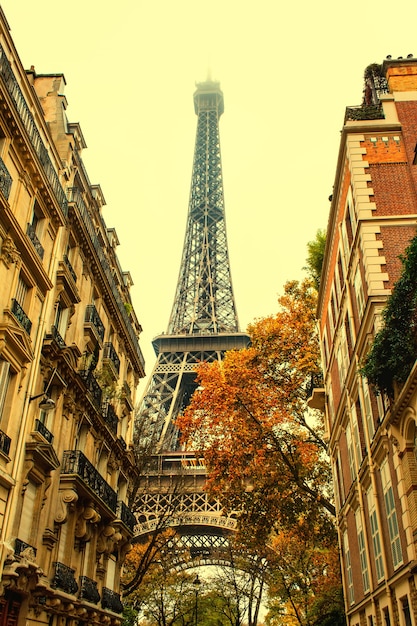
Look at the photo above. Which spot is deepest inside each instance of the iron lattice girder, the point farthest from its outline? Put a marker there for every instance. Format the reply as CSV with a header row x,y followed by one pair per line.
x,y
173,487
173,378
204,300
198,543
202,327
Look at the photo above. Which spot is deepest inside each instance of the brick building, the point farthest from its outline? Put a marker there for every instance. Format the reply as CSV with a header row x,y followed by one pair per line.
x,y
372,438
70,363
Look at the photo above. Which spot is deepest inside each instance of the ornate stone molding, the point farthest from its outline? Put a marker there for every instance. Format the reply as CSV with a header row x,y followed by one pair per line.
x,y
66,499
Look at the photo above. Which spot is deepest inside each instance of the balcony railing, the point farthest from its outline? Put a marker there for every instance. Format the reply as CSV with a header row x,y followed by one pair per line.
x,y
30,231
110,417
88,590
57,337
92,386
41,428
111,354
127,392
28,122
5,442
75,462
5,180
20,546
70,268
21,316
126,515
111,600
75,197
64,578
92,317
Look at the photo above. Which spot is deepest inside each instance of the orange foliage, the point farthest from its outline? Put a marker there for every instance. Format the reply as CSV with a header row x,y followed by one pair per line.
x,y
248,416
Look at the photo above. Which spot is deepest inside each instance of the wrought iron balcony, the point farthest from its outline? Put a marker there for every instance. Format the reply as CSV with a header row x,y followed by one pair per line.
x,y
75,462
75,197
92,317
5,442
64,578
126,515
111,600
5,180
41,428
57,337
110,417
127,392
21,316
70,268
88,590
28,122
20,546
30,231
92,386
111,354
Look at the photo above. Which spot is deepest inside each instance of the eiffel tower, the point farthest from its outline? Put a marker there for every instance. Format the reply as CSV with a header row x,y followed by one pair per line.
x,y
203,325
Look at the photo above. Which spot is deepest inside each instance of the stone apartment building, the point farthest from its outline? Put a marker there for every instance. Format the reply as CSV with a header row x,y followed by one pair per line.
x,y
372,438
70,363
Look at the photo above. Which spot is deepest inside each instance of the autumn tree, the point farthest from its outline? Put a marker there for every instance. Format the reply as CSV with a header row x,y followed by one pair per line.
x,y
264,451
166,598
150,547
304,584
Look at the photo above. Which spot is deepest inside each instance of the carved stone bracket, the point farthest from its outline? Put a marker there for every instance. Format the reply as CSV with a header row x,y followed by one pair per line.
x,y
108,540
66,499
87,518
9,253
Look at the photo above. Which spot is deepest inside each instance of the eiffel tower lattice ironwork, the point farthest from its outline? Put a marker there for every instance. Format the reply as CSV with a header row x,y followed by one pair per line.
x,y
203,325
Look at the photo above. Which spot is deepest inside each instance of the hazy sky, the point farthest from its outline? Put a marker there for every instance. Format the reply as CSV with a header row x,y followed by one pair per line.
x,y
287,71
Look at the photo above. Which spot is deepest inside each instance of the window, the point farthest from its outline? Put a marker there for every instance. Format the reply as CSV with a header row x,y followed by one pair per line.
x,y
343,355
348,334
34,229
21,292
340,477
61,320
20,304
325,351
335,472
330,317
5,377
351,453
330,405
394,533
406,612
349,573
358,286
345,245
367,409
350,211
387,619
376,539
356,437
362,552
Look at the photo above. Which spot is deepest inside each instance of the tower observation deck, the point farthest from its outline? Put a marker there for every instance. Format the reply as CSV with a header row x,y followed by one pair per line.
x,y
203,324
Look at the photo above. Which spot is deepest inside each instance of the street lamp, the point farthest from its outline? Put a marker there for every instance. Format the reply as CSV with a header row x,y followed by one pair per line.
x,y
196,583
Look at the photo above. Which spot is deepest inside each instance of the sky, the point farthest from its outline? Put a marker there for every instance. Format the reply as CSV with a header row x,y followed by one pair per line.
x,y
287,71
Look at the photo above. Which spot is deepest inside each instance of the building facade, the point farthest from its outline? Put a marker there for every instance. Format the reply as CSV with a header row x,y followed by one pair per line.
x,y
372,438
70,363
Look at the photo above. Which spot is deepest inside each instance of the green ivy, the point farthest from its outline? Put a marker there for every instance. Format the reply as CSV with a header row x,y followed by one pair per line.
x,y
394,349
